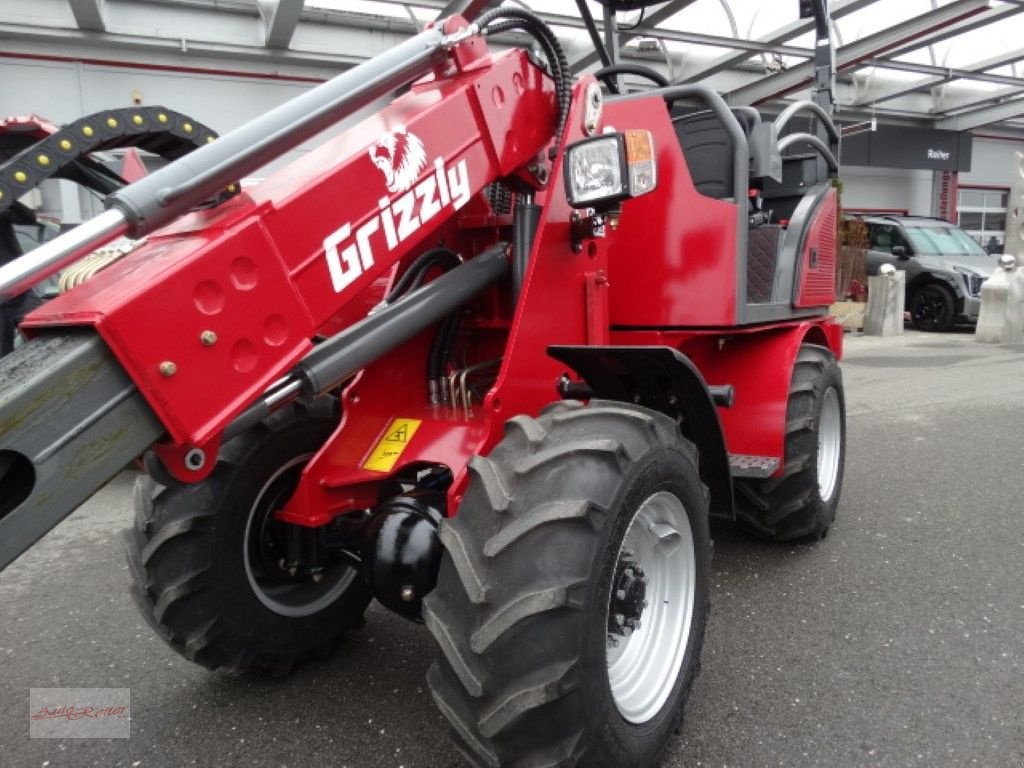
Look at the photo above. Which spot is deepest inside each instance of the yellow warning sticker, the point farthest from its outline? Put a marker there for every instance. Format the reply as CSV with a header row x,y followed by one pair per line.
x,y
390,447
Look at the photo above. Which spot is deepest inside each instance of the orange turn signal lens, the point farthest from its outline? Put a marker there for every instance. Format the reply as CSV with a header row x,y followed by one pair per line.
x,y
639,146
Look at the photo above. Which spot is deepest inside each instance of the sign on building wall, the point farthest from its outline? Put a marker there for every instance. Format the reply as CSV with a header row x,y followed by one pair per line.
x,y
903,147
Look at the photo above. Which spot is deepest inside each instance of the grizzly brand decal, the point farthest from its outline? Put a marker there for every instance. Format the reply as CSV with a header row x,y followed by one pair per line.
x,y
400,156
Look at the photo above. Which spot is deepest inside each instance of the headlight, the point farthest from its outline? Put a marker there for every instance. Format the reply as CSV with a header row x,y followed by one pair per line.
x,y
604,170
972,280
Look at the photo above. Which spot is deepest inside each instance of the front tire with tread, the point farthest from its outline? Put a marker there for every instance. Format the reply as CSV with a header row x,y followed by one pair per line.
x,y
521,608
800,503
188,554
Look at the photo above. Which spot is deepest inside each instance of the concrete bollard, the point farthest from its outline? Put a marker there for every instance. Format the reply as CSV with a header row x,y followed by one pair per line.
x,y
886,296
992,315
1013,324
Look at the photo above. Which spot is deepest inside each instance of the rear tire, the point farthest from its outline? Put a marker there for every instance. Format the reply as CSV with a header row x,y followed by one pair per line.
x,y
202,577
933,308
801,502
543,554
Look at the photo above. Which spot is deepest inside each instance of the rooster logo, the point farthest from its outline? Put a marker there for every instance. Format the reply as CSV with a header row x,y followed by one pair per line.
x,y
400,157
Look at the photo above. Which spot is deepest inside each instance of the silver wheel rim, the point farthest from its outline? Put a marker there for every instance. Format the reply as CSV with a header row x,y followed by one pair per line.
x,y
643,667
298,598
830,438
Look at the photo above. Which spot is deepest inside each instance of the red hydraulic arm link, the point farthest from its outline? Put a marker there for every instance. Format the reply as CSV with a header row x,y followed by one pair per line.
x,y
388,422
213,309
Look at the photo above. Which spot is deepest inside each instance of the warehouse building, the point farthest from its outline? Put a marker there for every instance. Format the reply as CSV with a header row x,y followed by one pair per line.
x,y
930,96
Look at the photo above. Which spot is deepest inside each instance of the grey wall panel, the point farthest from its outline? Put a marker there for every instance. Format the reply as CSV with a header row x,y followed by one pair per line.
x,y
893,146
220,102
883,188
49,89
62,92
994,162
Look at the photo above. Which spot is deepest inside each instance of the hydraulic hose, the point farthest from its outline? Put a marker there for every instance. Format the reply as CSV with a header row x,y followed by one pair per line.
x,y
521,19
413,277
358,345
440,352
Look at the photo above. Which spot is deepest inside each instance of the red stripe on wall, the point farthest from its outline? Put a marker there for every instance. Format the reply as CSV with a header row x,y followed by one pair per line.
x,y
162,67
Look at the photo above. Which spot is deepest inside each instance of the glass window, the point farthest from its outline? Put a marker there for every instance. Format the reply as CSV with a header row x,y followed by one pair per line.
x,y
971,220
942,241
971,197
982,214
882,237
995,221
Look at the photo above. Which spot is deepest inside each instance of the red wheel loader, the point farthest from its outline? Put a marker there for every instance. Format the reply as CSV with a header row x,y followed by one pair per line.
x,y
493,357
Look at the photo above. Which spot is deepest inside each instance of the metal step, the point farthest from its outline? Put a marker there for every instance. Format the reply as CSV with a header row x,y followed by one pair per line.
x,y
745,465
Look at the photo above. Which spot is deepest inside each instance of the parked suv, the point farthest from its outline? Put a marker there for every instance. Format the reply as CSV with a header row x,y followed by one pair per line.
x,y
945,267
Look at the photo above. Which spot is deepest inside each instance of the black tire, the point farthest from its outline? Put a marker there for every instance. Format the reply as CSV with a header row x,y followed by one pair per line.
x,y
792,506
188,555
521,609
933,308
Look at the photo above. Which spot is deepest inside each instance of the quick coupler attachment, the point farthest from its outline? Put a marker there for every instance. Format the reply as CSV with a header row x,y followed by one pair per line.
x,y
70,419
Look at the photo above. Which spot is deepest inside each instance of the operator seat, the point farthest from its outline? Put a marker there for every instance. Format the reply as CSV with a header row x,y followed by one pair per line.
x,y
708,149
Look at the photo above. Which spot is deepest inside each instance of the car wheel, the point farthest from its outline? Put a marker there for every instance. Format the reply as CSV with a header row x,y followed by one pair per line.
x,y
933,308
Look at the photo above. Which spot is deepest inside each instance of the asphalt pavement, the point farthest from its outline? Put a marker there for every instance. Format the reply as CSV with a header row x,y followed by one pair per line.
x,y
896,641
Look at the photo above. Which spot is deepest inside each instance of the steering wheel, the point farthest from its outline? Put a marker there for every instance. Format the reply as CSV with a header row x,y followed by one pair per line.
x,y
607,76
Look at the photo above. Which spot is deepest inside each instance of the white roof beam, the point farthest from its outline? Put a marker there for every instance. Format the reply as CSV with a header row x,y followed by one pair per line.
x,y
984,19
280,17
88,15
920,29
978,100
951,74
646,30
967,121
779,36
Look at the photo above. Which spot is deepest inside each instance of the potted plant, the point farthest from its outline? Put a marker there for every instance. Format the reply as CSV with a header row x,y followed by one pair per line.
x,y
851,282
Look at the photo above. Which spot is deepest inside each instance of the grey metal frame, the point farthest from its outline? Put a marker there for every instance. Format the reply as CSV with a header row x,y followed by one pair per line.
x,y
281,18
73,419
